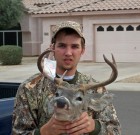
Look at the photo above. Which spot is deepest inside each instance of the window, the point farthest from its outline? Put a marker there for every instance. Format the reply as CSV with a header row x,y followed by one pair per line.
x,y
110,28
12,36
100,28
1,38
138,28
129,28
119,28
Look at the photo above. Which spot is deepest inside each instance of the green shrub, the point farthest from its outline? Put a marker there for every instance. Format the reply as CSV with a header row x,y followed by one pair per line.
x,y
10,55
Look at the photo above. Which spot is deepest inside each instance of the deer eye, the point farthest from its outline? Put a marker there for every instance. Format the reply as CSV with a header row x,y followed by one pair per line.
x,y
56,94
79,99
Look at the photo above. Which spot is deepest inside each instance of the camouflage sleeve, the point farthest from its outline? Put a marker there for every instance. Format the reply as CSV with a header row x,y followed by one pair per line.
x,y
108,120
25,111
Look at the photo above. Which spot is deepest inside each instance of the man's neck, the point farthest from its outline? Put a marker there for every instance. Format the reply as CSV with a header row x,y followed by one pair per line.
x,y
69,72
72,80
69,77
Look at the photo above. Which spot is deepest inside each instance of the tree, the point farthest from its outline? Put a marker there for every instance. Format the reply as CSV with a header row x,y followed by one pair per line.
x,y
11,12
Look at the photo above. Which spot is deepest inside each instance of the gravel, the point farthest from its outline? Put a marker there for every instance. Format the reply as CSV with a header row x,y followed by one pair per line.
x,y
133,79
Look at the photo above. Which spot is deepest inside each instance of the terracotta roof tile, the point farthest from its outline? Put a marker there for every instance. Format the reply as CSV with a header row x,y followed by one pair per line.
x,y
65,6
112,5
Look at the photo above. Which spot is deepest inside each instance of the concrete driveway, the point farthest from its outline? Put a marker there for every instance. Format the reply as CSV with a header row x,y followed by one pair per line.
x,y
100,71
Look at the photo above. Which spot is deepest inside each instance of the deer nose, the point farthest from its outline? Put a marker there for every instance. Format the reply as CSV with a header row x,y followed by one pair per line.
x,y
61,103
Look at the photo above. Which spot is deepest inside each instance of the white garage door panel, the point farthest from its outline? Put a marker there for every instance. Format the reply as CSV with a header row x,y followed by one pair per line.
x,y
125,45
118,57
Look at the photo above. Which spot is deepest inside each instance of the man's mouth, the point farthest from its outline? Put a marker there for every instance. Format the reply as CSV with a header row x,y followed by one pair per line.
x,y
67,61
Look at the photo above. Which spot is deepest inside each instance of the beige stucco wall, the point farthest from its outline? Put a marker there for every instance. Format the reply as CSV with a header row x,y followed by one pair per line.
x,y
31,35
47,24
91,37
37,31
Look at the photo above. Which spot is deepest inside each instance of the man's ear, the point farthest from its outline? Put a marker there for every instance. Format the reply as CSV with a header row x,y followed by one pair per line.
x,y
83,50
52,46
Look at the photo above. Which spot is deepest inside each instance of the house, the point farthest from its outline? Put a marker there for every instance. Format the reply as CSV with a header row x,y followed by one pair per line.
x,y
109,26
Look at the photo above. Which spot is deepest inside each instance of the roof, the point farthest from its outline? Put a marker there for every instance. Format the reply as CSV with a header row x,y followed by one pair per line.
x,y
67,6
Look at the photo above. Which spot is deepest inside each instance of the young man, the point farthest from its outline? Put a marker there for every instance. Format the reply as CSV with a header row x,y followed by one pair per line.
x,y
29,116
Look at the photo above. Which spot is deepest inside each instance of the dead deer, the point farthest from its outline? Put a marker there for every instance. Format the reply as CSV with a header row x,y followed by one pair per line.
x,y
70,100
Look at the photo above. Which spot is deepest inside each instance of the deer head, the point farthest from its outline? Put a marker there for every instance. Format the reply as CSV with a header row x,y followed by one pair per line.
x,y
70,100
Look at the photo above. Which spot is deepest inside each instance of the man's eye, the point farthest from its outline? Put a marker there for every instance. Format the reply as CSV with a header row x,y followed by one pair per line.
x,y
61,46
75,46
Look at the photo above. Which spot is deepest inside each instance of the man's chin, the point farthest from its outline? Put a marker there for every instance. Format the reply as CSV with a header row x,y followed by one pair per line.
x,y
67,67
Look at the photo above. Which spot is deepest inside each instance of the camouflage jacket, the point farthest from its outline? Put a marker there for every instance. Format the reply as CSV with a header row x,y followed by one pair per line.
x,y
29,113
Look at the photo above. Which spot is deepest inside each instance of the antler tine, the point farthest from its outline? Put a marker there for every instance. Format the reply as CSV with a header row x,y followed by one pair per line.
x,y
114,73
112,78
64,74
113,59
40,62
59,81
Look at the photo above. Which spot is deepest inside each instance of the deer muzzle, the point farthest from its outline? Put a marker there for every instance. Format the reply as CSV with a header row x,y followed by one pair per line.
x,y
61,103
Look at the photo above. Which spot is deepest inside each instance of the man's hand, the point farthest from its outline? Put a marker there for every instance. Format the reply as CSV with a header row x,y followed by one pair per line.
x,y
54,127
84,124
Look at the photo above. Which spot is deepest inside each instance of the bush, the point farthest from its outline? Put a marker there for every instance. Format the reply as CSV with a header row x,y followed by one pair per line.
x,y
10,55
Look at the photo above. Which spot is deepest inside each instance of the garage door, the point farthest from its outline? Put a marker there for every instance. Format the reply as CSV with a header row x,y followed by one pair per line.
x,y
122,40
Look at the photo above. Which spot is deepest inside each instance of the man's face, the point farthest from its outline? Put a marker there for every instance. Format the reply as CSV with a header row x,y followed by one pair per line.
x,y
68,50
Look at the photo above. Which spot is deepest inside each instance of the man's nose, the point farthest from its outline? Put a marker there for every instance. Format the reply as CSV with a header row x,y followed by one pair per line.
x,y
68,51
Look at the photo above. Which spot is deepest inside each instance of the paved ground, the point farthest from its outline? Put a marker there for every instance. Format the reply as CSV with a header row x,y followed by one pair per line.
x,y
100,71
126,103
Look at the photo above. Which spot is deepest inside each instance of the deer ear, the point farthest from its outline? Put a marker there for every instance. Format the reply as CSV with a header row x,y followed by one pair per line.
x,y
58,81
99,104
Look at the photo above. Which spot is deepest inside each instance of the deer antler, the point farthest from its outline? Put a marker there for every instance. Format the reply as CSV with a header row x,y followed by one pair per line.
x,y
112,78
40,64
84,87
